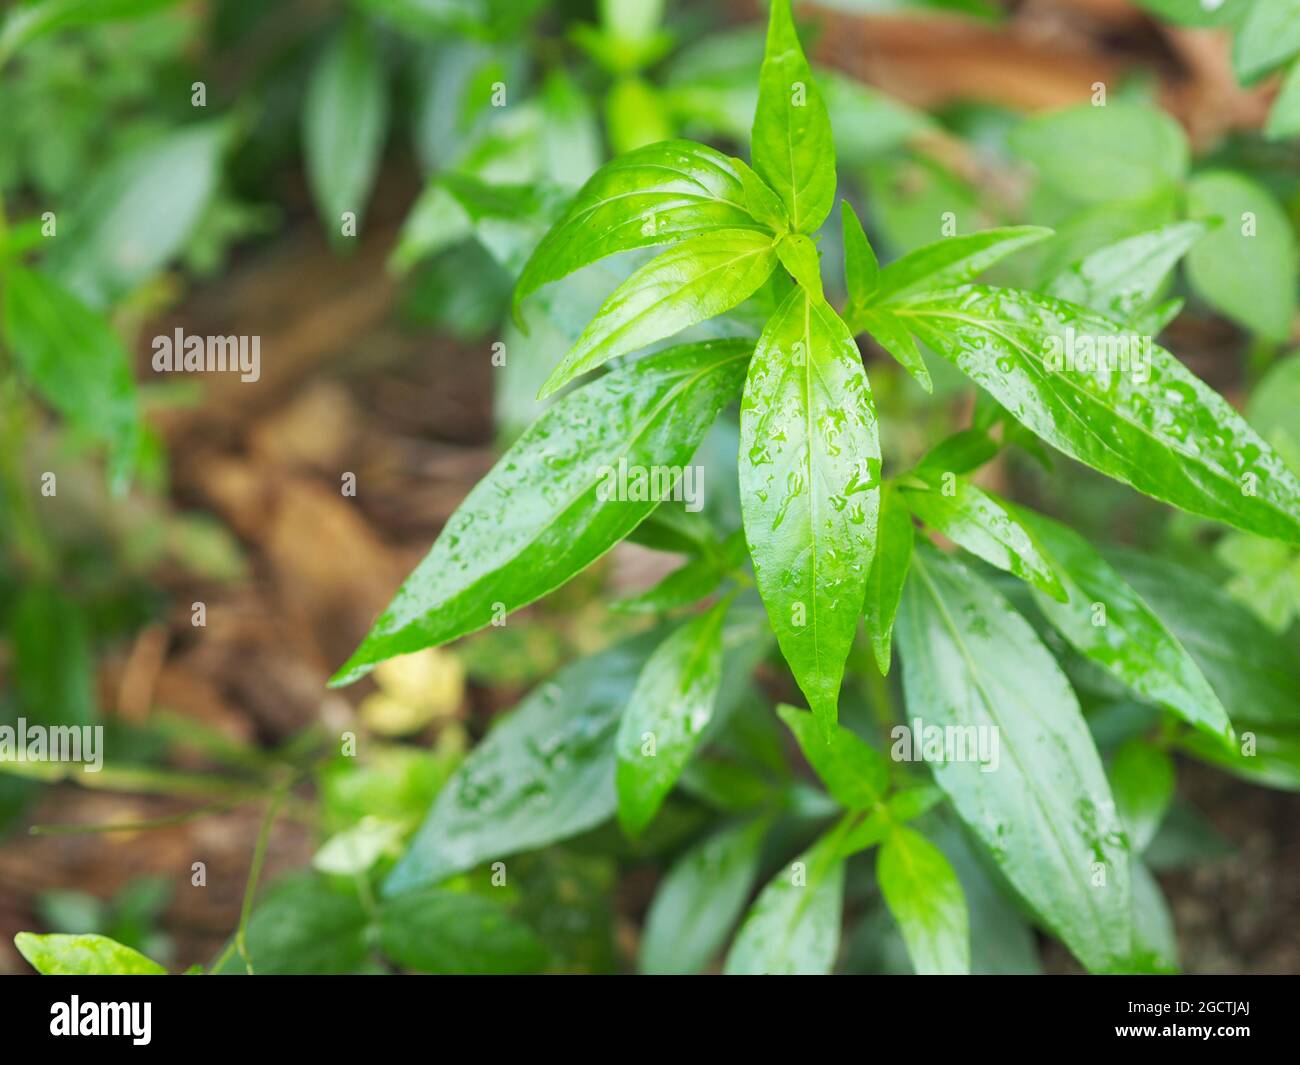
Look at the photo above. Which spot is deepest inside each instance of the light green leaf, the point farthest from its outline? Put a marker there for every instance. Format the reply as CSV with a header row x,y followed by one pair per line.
x,y
344,120
83,955
571,148
981,523
545,772
1045,812
635,115
671,705
888,573
689,283
1142,780
861,269
1246,268
356,849
1121,280
952,260
1106,620
1284,116
76,363
539,517
23,23
810,485
794,926
1156,427
854,772
761,202
656,195
455,934
1265,754
798,254
699,900
1197,12
1269,35
891,334
1122,151
138,213
791,143
1255,674
924,895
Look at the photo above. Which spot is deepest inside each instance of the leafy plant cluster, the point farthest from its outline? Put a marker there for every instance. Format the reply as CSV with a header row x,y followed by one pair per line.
x,y
681,284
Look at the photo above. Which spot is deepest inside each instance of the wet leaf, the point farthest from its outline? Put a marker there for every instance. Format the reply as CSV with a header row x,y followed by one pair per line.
x,y
854,772
888,573
83,955
924,895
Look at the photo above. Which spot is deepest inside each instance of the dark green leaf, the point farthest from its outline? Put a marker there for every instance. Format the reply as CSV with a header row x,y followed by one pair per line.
x,y
666,715
1045,812
810,483
1106,620
544,773
698,901
888,573
539,516
924,895
791,142
689,283
451,933
1156,427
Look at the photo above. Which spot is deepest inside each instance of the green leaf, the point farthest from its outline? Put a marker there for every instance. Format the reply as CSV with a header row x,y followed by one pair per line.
x,y
699,899
454,934
76,363
304,927
686,585
1121,280
891,333
138,213
888,573
656,195
1246,268
1254,672
1266,754
635,115
924,895
25,22
1107,621
794,926
1122,151
854,772
1142,780
571,148
53,679
539,517
952,260
761,202
689,283
1155,945
798,254
791,142
962,451
357,848
1168,434
981,523
1045,813
83,955
810,485
671,705
1269,36
861,269
1284,116
344,120
1197,12
545,772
